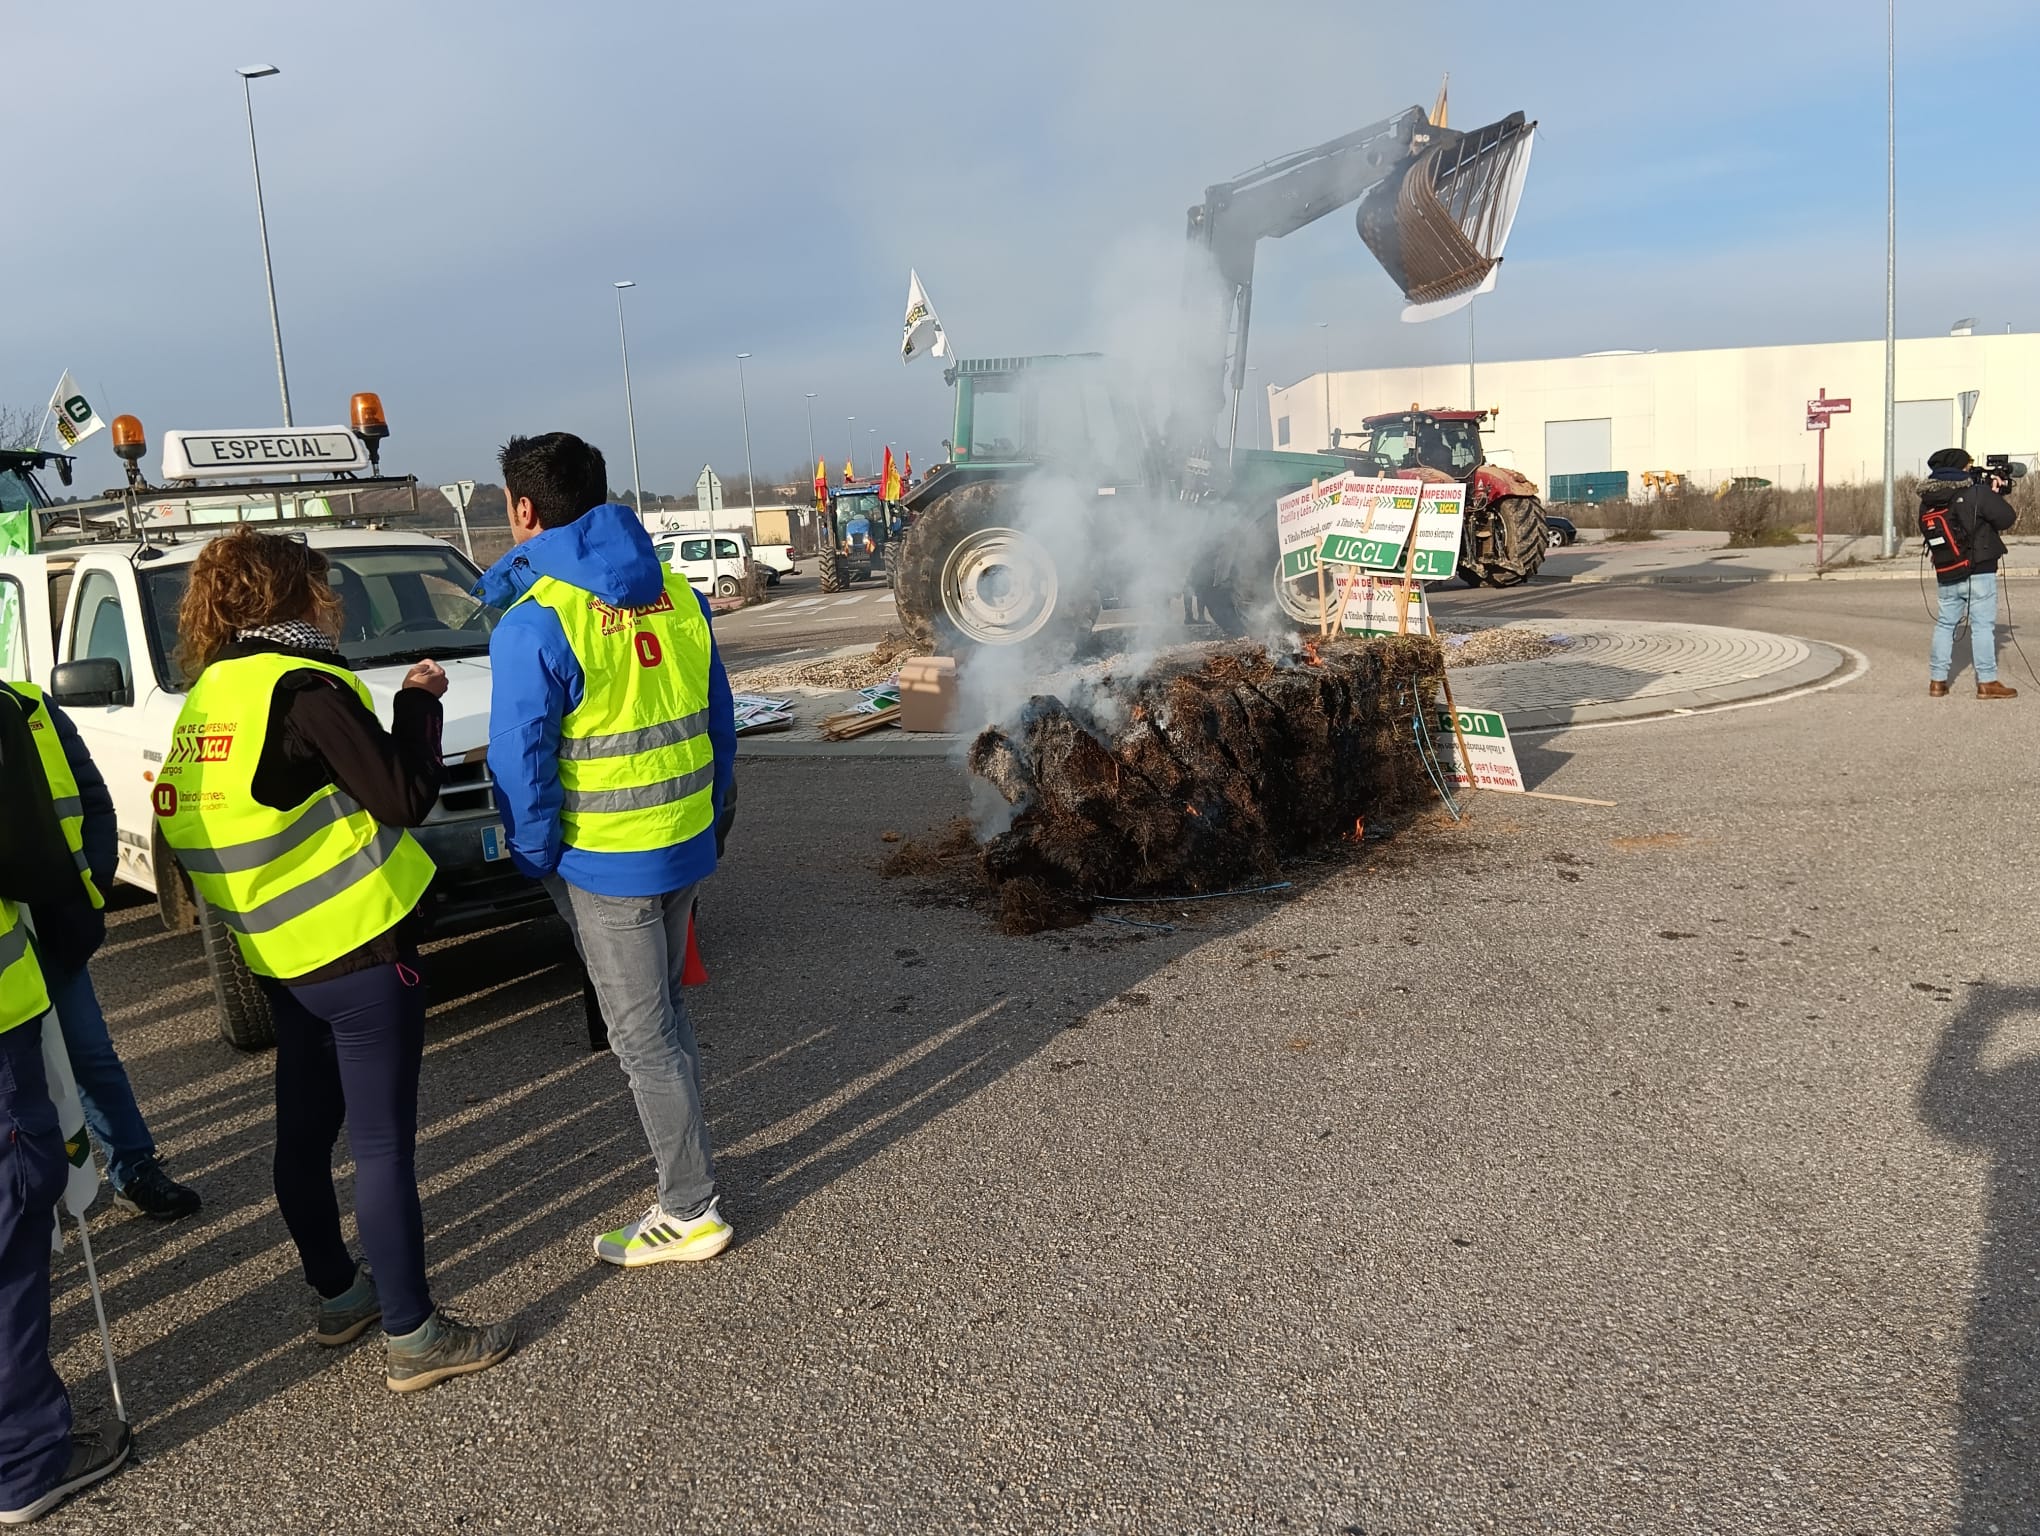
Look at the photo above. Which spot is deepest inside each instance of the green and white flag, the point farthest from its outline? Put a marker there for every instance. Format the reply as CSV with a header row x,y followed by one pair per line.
x,y
82,1186
76,419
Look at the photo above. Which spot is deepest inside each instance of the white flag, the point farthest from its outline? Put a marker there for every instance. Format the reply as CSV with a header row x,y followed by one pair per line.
x,y
82,1185
924,328
76,419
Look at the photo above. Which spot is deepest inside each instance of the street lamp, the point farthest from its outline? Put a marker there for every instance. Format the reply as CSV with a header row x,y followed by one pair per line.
x,y
852,465
1325,331
810,425
750,479
1890,278
637,483
262,72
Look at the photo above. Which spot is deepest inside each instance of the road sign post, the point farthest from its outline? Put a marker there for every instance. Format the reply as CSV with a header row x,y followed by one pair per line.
x,y
1817,414
460,493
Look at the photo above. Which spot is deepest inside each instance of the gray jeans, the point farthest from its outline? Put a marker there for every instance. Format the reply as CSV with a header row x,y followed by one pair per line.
x,y
634,948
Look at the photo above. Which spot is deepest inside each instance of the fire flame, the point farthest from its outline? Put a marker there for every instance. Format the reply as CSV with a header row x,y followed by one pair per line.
x,y
1311,656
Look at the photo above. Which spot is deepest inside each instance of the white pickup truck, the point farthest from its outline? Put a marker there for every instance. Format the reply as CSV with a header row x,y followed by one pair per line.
x,y
93,621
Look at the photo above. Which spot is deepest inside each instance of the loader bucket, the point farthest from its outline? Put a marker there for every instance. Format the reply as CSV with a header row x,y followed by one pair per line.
x,y
1439,228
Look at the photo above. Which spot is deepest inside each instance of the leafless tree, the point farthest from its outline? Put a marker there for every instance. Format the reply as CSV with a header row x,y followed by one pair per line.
x,y
19,426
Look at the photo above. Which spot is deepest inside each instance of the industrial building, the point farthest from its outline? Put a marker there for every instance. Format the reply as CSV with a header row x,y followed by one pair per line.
x,y
1709,416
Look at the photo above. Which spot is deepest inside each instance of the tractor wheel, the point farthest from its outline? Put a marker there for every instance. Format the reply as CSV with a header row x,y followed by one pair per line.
x,y
1515,544
832,570
1244,590
894,550
245,1021
969,577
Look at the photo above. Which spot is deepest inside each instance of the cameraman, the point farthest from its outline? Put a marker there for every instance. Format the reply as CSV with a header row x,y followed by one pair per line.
x,y
1976,505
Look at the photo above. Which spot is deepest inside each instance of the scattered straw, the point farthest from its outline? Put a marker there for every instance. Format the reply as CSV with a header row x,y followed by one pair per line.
x,y
829,676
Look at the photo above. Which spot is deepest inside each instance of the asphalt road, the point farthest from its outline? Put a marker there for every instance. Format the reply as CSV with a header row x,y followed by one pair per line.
x,y
799,621
1668,1168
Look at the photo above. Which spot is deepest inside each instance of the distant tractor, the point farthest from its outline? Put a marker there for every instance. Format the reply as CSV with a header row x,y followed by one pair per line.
x,y
1066,485
862,528
1505,536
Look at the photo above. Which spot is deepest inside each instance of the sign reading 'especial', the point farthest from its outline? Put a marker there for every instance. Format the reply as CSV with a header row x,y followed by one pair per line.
x,y
261,451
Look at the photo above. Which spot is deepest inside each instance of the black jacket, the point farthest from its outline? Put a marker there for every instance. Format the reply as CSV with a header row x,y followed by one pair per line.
x,y
1981,517
68,928
320,734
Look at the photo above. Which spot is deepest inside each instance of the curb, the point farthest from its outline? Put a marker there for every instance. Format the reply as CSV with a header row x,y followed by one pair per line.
x,y
1823,661
1748,578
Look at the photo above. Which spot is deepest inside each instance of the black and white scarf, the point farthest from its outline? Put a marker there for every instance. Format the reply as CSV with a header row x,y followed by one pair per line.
x,y
294,633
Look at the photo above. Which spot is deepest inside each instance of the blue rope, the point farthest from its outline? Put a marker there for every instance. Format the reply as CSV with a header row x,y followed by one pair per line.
x,y
1429,756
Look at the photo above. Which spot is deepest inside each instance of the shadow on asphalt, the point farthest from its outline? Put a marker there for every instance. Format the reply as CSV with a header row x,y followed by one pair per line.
x,y
845,1013
1996,1111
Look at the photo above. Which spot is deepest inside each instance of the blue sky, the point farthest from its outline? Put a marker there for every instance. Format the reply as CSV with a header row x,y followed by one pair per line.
x,y
453,187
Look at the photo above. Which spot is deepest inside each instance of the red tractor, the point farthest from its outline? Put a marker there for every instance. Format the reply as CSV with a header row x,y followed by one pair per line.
x,y
1505,537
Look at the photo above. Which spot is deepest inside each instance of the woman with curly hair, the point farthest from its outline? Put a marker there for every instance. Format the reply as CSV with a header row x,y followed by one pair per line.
x,y
285,800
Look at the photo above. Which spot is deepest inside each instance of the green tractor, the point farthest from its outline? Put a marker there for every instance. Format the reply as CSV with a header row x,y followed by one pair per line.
x,y
1059,497
1063,491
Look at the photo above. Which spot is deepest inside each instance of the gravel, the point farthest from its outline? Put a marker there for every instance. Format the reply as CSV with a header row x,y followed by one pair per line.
x,y
829,676
1469,645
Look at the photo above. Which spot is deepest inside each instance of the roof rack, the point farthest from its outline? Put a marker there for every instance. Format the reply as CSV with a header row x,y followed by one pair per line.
x,y
164,513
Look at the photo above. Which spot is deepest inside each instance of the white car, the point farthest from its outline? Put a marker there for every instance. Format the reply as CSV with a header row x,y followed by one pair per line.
x,y
95,625
718,563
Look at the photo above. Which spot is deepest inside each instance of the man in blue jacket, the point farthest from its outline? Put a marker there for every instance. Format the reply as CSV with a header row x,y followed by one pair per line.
x,y
69,930
612,742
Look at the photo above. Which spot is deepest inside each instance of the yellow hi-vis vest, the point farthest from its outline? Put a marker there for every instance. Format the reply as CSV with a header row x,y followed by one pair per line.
x,y
22,994
637,770
63,783
297,888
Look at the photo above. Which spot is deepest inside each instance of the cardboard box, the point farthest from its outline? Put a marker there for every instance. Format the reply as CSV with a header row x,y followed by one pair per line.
x,y
928,693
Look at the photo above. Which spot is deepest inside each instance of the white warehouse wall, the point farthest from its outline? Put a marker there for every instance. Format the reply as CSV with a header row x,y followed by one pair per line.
x,y
1707,414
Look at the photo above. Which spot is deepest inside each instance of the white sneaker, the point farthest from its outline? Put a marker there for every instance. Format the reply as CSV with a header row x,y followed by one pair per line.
x,y
656,1238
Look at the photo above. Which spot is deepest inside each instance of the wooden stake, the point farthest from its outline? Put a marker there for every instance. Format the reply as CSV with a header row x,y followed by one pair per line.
x,y
1354,576
1452,714
1402,606
845,726
1320,564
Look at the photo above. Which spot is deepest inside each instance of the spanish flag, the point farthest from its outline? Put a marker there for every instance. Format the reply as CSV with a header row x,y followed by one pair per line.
x,y
821,483
849,472
889,487
907,474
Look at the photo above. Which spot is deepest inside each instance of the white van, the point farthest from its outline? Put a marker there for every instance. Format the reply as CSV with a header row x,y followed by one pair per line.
x,y
718,563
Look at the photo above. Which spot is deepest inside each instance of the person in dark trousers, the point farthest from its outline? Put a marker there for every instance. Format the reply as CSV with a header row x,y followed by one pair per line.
x,y
70,925
45,1456
1981,517
612,743
284,798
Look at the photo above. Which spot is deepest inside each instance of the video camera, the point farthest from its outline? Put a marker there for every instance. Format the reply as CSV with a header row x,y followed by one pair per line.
x,y
2001,466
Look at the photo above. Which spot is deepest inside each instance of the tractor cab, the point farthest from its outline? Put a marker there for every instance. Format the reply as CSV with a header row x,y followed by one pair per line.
x,y
21,493
1446,441
1071,412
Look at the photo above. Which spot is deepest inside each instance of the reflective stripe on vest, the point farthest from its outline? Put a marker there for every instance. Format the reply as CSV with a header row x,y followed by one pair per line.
x,y
637,770
22,994
298,888
63,783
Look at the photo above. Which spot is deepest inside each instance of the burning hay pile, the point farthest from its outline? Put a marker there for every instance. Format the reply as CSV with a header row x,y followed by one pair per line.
x,y
1197,776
